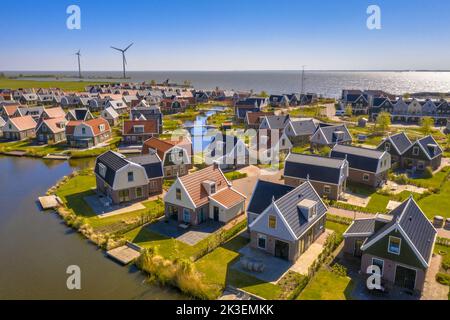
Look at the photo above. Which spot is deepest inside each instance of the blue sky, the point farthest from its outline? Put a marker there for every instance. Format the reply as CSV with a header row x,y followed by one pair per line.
x,y
226,35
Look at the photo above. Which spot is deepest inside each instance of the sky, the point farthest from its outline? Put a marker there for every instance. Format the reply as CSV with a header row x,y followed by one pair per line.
x,y
226,35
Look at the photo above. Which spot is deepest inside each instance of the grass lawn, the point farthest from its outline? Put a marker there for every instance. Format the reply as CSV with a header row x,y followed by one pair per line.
x,y
326,285
437,204
64,85
432,183
216,267
30,149
337,227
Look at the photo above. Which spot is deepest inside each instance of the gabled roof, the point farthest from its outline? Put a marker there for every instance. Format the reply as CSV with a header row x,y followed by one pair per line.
x,y
277,122
425,142
193,183
161,146
414,226
253,117
361,227
228,197
79,113
54,124
330,136
313,167
56,112
288,207
304,127
93,123
113,161
400,141
242,112
151,163
358,158
264,193
111,112
23,123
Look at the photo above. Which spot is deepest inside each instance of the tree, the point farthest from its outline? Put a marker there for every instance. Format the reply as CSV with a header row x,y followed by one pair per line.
x,y
153,83
427,124
348,111
448,142
383,122
406,96
263,94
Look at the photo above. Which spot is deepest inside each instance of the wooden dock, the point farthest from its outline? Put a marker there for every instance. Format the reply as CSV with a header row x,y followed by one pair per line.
x,y
16,153
57,156
49,202
125,254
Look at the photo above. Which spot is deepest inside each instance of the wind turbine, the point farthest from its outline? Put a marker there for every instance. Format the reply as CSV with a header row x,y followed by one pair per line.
x,y
79,63
124,60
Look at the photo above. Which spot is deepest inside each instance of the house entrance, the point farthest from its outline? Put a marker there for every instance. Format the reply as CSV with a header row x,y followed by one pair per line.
x,y
282,249
405,277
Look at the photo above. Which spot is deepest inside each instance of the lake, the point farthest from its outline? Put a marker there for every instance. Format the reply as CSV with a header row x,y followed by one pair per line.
x,y
36,247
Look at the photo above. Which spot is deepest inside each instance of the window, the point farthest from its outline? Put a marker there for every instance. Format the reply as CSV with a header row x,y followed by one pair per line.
x,y
420,165
365,177
387,146
312,212
102,127
379,263
83,130
283,142
327,189
213,188
130,177
415,151
178,194
272,222
139,192
138,129
394,245
262,239
102,169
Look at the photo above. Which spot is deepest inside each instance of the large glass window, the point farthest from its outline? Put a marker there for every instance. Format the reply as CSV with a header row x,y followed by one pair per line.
x,y
272,222
262,241
379,263
178,194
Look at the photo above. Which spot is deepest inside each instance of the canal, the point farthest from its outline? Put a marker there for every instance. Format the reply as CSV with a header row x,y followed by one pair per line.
x,y
36,247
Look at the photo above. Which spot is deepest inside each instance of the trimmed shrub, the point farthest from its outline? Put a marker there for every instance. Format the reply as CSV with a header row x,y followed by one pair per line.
x,y
443,278
428,173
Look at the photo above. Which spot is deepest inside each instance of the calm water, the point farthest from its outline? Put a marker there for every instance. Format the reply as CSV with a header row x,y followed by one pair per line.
x,y
37,247
327,83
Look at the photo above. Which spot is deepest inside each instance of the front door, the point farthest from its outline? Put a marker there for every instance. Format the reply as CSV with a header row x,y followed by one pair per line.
x,y
186,216
124,195
202,216
357,250
282,249
216,213
405,277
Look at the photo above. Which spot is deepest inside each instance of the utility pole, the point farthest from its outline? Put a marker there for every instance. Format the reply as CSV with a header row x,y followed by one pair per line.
x,y
303,81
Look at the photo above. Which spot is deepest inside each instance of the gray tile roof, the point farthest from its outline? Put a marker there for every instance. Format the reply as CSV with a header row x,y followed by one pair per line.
x,y
429,140
291,213
113,161
401,142
362,226
358,158
304,127
329,133
263,194
315,167
151,163
277,122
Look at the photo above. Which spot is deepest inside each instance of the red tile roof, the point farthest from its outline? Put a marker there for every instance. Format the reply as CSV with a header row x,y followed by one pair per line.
x,y
93,123
150,126
23,123
228,198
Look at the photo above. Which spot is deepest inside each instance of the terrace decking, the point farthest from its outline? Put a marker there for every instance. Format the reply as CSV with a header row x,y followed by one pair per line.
x,y
125,254
49,202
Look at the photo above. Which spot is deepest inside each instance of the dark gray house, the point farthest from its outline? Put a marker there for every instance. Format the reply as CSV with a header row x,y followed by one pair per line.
x,y
399,244
327,175
330,135
366,166
290,224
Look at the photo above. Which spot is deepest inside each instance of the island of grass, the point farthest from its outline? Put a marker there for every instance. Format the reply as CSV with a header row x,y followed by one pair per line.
x,y
78,86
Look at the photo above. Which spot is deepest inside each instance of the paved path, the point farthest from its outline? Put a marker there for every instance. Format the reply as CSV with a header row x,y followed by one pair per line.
x,y
432,289
443,233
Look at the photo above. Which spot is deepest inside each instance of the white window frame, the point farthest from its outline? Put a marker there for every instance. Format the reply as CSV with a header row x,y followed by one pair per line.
x,y
399,247
261,236
327,189
416,151
366,177
102,169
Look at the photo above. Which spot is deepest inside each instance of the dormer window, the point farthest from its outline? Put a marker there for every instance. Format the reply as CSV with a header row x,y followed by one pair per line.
x,y
308,208
394,245
210,187
102,127
387,146
102,169
272,222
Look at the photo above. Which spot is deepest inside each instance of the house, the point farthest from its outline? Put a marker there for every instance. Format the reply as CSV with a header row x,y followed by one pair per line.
x,y
274,122
307,98
35,112
176,155
138,131
128,179
279,101
201,97
8,109
52,130
230,152
396,145
52,113
28,98
250,104
327,175
201,196
272,143
87,134
329,136
290,224
264,193
143,111
110,115
366,166
422,153
300,131
79,114
253,118
45,99
118,105
173,105
19,128
416,156
400,244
